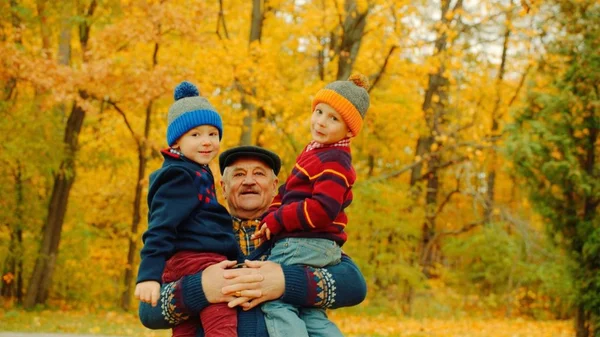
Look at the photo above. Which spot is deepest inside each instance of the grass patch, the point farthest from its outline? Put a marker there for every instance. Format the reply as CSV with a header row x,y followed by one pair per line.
x,y
353,323
101,323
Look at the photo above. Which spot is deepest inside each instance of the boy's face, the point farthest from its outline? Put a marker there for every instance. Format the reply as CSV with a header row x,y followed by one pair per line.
x,y
201,144
327,126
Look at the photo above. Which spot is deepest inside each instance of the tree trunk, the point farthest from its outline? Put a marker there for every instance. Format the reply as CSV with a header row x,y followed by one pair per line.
x,y
132,238
13,263
434,111
321,59
63,181
137,202
8,290
493,157
352,33
256,25
428,231
585,322
44,27
581,322
39,283
423,145
20,267
11,82
248,122
434,114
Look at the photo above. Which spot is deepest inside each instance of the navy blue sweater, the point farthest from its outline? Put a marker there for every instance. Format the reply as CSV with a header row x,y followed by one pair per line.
x,y
183,214
340,285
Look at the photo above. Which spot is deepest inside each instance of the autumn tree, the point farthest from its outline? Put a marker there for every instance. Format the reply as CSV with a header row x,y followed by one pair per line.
x,y
12,282
28,109
437,110
555,144
154,28
141,137
37,291
248,91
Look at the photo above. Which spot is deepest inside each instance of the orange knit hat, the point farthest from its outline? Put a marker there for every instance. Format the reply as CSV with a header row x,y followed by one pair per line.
x,y
349,98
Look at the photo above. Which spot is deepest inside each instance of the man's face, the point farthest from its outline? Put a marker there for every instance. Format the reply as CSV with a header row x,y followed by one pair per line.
x,y
249,186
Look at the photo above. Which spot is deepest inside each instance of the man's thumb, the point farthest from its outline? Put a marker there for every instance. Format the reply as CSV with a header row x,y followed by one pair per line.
x,y
226,264
254,264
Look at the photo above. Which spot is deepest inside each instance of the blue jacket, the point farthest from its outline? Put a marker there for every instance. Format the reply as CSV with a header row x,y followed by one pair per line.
x,y
183,214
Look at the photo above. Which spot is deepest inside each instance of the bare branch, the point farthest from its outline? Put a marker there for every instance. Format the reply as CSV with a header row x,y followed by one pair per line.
x,y
448,197
122,113
221,22
339,15
393,174
520,86
442,166
464,229
424,158
460,128
383,67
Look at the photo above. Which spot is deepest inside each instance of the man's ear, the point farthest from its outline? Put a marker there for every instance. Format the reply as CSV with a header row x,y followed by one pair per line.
x,y
224,189
275,184
349,134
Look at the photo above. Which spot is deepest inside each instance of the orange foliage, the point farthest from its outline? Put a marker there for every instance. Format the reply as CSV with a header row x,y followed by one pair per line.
x,y
359,325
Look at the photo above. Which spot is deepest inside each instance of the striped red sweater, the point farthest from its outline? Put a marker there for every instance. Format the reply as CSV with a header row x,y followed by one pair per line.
x,y
311,203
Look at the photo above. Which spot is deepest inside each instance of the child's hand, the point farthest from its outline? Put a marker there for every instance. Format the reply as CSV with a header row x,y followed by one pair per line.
x,y
147,291
263,231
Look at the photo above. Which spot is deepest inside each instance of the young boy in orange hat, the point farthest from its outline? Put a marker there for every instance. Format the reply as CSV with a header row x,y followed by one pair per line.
x,y
307,218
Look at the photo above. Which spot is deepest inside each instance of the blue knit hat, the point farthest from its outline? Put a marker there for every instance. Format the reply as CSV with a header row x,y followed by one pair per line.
x,y
189,111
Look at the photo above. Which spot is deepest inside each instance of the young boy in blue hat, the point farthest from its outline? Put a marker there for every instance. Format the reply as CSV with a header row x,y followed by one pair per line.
x,y
188,230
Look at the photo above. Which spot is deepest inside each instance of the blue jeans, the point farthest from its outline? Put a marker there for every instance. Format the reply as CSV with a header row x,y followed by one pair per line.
x,y
285,320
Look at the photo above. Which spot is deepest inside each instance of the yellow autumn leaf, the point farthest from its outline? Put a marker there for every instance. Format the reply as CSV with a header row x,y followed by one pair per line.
x,y
556,155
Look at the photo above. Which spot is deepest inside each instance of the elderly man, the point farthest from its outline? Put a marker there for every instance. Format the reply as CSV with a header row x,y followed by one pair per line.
x,y
249,184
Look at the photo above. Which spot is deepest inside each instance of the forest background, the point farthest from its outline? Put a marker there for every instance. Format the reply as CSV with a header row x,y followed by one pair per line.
x,y
478,175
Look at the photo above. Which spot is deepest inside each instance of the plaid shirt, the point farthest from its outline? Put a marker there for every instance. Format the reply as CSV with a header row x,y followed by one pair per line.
x,y
243,230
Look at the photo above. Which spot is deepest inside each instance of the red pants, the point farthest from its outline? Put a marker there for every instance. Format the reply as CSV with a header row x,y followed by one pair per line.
x,y
218,320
